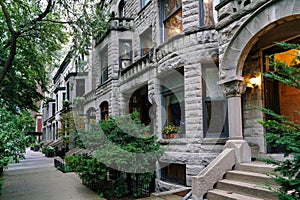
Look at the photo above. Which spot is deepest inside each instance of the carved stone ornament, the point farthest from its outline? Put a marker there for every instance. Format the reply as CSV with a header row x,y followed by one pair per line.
x,y
234,88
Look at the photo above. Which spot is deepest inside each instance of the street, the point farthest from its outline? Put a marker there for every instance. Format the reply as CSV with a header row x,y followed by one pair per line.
x,y
35,178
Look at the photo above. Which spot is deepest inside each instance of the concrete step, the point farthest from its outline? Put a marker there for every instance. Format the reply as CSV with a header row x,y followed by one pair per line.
x,y
249,189
227,195
257,166
249,177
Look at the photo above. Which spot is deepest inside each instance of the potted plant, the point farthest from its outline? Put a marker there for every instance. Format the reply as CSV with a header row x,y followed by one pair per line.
x,y
36,147
170,131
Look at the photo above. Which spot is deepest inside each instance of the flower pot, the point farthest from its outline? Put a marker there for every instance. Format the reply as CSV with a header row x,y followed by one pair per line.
x,y
166,136
173,135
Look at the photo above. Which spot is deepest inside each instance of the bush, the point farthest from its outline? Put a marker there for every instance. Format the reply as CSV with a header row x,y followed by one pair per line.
x,y
49,151
72,162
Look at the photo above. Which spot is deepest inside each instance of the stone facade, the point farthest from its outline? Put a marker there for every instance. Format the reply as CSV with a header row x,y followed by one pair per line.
x,y
233,44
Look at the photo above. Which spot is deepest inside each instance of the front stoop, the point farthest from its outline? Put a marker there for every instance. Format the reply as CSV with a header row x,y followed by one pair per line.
x,y
246,182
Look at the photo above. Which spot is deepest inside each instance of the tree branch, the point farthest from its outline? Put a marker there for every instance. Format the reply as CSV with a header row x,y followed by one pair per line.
x,y
7,17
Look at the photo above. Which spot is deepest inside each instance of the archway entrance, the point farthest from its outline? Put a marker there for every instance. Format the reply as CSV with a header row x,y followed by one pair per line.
x,y
282,99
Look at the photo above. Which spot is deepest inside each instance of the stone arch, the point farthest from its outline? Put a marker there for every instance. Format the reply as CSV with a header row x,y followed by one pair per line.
x,y
267,17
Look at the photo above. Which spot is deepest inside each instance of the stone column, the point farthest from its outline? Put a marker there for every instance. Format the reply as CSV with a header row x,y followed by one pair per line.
x,y
234,90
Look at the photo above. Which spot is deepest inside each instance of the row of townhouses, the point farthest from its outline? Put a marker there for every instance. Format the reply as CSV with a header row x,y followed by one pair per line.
x,y
194,64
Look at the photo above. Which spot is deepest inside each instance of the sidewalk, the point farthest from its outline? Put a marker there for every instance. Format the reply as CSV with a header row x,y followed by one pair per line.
x,y
35,178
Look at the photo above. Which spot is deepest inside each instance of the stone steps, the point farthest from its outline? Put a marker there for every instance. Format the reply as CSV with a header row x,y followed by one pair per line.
x,y
246,182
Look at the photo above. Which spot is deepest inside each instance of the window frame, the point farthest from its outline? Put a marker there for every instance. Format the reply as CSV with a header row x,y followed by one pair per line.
x,y
104,66
225,129
164,18
122,41
144,34
144,3
202,12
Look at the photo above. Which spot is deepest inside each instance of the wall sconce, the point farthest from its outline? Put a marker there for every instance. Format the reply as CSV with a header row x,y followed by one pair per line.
x,y
254,81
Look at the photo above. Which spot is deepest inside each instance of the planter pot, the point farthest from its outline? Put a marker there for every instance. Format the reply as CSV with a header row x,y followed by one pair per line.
x,y
166,136
173,135
170,136
36,148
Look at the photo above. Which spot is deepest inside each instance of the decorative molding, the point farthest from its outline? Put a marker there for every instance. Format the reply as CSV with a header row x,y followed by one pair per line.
x,y
234,88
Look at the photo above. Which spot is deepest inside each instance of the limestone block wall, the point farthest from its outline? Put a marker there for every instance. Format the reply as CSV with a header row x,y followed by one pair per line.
x,y
189,51
190,15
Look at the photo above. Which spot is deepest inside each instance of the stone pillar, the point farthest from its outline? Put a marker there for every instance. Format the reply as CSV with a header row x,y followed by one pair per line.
x,y
234,90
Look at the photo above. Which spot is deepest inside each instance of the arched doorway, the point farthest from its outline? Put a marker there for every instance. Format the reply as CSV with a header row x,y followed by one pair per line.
x,y
104,110
244,58
139,102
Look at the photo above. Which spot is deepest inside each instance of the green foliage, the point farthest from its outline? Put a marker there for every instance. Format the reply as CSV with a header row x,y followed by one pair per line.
x,y
13,139
124,143
48,151
72,162
72,123
285,134
33,34
123,147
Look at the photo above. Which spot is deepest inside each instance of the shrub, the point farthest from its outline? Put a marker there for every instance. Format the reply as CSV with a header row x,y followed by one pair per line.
x,y
48,151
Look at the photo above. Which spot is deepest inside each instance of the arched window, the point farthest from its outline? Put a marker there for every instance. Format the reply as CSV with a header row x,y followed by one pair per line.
x,y
121,9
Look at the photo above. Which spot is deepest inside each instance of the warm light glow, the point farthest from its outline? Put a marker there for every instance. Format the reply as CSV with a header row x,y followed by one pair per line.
x,y
289,57
206,1
255,81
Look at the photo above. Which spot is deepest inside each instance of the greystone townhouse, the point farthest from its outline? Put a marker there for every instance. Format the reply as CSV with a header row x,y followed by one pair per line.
x,y
192,64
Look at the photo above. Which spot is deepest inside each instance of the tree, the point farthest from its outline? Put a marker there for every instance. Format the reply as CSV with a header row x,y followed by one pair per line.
x,y
283,133
13,139
32,32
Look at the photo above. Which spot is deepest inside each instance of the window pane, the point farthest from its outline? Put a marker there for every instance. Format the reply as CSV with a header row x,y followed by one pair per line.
x,y
208,13
213,90
146,41
173,25
144,2
125,50
170,6
104,65
214,107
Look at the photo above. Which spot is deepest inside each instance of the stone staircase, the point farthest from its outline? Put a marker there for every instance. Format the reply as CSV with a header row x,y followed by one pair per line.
x,y
246,182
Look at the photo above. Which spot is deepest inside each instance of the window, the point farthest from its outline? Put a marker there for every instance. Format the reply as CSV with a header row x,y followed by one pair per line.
x,y
68,90
146,41
104,65
171,18
175,173
214,106
121,9
208,15
80,87
172,92
125,53
144,3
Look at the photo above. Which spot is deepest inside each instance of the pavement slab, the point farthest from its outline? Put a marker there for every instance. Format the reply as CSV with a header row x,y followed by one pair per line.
x,y
35,178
